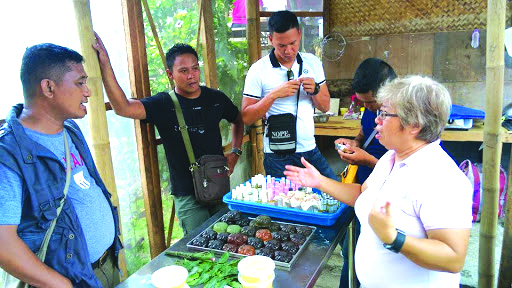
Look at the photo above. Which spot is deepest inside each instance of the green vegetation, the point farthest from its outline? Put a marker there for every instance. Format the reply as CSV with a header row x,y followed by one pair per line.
x,y
205,270
176,21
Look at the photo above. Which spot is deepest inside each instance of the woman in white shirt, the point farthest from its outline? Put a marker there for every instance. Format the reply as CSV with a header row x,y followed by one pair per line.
x,y
415,207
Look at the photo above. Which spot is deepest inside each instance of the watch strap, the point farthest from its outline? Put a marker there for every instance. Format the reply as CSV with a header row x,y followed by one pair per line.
x,y
398,243
236,151
316,90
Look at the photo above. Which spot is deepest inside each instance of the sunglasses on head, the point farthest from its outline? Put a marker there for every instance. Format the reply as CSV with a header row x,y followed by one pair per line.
x,y
289,74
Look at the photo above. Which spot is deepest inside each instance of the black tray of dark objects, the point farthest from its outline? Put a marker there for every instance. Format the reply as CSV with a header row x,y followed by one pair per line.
x,y
282,265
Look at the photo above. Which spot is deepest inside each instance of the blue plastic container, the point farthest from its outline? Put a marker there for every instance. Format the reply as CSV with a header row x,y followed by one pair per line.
x,y
324,219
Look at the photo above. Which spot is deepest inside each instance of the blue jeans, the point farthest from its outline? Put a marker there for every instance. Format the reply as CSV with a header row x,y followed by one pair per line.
x,y
274,163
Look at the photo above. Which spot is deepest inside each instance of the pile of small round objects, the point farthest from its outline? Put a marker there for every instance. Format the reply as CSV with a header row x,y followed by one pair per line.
x,y
237,234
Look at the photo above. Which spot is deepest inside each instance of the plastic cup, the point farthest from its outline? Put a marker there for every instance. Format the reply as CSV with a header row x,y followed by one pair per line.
x,y
256,269
343,111
173,276
263,284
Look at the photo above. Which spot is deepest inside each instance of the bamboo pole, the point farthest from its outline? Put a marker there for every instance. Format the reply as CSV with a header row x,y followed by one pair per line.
x,y
96,108
171,84
198,37
254,150
254,43
144,133
504,276
492,140
326,16
206,31
157,39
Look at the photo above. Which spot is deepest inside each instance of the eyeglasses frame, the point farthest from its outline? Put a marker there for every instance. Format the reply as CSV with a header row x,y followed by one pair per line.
x,y
382,115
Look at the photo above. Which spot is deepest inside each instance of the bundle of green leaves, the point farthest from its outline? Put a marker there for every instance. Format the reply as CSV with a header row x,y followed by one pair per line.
x,y
205,270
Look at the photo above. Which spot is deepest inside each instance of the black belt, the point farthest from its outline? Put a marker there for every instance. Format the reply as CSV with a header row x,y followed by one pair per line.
x,y
101,261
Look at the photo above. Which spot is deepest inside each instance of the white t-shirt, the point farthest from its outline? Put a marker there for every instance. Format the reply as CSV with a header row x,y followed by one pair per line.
x,y
426,191
267,74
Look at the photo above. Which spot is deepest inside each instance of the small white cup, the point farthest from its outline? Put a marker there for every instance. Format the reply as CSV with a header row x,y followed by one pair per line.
x,y
256,269
173,276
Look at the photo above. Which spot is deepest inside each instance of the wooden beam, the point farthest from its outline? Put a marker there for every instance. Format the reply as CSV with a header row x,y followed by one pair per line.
x,y
253,30
298,13
208,43
326,9
492,141
144,133
254,45
96,108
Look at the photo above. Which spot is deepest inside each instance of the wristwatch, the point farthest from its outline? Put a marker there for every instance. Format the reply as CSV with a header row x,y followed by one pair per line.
x,y
236,151
397,245
317,89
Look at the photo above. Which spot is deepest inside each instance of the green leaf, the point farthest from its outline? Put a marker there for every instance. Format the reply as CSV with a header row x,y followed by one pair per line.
x,y
224,258
204,278
192,279
235,284
222,283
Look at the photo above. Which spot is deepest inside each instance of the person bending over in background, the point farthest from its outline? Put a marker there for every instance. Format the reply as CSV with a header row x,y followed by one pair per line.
x,y
414,231
203,108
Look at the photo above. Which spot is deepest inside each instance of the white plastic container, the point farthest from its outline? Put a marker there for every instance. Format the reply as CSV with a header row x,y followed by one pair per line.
x,y
173,276
263,284
256,269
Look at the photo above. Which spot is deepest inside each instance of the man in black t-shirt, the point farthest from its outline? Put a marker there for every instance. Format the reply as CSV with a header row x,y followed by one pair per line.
x,y
203,108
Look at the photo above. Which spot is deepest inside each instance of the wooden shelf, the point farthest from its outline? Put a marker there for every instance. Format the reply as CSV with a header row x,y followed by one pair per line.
x,y
336,126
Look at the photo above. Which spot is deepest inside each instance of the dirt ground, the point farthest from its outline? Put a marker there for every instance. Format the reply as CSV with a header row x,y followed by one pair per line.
x,y
330,276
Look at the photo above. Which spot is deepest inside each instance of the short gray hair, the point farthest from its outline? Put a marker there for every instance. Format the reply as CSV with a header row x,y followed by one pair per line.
x,y
419,102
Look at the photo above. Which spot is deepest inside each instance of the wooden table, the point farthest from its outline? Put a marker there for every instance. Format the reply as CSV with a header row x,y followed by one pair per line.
x,y
303,273
336,126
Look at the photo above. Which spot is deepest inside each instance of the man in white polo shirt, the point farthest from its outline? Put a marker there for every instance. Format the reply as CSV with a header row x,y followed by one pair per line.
x,y
282,82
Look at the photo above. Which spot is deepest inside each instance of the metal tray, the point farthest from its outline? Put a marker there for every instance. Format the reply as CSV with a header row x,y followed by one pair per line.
x,y
280,265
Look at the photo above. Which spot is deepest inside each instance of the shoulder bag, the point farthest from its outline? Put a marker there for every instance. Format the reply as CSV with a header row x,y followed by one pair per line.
x,y
209,172
10,281
282,128
349,173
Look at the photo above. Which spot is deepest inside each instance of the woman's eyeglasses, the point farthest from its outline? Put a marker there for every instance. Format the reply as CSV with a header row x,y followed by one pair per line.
x,y
383,114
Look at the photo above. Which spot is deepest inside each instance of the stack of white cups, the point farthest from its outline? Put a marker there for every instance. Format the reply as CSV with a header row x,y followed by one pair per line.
x,y
256,272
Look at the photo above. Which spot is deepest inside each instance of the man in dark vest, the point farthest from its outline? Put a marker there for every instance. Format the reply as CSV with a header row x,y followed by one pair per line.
x,y
34,144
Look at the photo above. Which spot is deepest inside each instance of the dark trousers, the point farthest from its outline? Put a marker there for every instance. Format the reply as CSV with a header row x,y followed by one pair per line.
x,y
107,271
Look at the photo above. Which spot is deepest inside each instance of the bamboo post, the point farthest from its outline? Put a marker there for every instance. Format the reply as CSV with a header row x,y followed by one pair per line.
x,y
96,108
326,16
144,133
504,276
254,43
492,140
254,150
157,39
208,43
171,84
351,230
